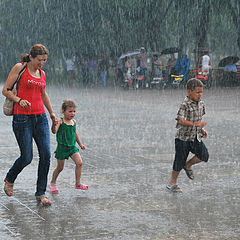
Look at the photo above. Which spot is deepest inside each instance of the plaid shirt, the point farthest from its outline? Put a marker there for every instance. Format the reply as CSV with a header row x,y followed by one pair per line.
x,y
191,111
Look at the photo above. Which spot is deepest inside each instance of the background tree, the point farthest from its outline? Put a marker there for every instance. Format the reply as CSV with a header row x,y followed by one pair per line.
x,y
87,27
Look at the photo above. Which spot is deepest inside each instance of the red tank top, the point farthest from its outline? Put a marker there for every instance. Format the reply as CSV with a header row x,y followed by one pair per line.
x,y
30,88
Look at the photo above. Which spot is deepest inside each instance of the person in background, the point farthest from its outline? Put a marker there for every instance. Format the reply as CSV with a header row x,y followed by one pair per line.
x,y
120,71
30,120
230,74
231,67
71,74
171,63
157,66
65,128
84,71
170,68
92,70
205,63
182,66
103,67
143,64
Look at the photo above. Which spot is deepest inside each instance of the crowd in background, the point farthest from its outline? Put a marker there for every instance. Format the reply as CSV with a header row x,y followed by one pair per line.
x,y
100,70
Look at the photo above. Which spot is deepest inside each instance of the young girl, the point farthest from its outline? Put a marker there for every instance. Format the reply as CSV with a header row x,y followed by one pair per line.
x,y
66,139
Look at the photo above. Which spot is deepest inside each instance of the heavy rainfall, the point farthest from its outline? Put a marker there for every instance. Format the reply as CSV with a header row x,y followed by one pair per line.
x,y
126,110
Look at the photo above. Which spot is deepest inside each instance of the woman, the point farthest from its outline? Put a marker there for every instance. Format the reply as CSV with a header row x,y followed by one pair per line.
x,y
29,118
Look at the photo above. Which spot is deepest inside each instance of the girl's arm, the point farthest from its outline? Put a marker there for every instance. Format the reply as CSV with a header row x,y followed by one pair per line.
x,y
79,142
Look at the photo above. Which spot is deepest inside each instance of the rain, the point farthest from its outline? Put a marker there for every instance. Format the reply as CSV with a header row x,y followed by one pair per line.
x,y
128,130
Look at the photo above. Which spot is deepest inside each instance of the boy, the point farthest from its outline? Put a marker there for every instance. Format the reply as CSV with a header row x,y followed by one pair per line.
x,y
189,133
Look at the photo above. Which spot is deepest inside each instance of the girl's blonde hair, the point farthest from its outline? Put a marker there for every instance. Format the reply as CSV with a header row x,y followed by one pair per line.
x,y
68,103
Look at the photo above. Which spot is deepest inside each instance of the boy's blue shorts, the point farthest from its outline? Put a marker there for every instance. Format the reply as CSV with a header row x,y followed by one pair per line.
x,y
182,149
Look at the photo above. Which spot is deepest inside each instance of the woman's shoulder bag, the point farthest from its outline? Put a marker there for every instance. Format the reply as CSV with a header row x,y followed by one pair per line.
x,y
8,104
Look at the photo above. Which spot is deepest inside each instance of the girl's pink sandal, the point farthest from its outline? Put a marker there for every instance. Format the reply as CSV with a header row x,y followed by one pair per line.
x,y
82,187
53,189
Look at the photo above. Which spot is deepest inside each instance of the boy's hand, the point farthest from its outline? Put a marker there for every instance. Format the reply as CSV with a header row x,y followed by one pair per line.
x,y
204,132
200,124
82,147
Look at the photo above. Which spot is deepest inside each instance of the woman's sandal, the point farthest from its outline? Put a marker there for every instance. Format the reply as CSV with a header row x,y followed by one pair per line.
x,y
44,200
8,188
82,187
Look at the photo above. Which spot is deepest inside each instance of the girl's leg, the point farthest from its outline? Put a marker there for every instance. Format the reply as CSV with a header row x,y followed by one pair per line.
x,y
78,169
56,172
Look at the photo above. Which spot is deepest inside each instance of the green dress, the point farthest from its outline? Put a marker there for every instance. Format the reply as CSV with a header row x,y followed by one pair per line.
x,y
66,139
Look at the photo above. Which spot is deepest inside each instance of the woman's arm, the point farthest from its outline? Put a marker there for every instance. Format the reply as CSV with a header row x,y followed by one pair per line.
x,y
12,77
47,104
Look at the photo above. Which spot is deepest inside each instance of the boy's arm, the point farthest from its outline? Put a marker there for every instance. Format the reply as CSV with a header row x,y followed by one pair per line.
x,y
190,123
56,125
204,132
181,118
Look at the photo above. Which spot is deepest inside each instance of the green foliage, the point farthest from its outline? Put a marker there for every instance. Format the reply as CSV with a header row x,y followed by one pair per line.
x,y
87,27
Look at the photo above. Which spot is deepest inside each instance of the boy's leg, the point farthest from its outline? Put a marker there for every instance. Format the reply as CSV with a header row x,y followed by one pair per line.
x,y
56,172
173,179
201,155
181,154
191,162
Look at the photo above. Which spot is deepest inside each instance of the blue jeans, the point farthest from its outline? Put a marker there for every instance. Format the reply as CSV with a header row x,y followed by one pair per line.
x,y
26,128
103,76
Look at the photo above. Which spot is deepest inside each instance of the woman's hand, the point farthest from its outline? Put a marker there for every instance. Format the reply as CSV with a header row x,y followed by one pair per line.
x,y
54,118
24,103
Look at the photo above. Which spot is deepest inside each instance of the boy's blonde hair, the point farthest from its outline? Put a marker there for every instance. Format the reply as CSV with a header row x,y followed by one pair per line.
x,y
193,83
68,103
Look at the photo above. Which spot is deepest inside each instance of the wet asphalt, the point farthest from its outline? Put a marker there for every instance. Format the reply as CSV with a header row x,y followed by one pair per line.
x,y
129,138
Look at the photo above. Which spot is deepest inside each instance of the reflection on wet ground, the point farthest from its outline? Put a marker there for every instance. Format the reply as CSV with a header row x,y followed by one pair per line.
x,y
130,147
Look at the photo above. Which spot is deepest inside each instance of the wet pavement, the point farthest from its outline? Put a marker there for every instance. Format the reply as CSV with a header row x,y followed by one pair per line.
x,y
129,138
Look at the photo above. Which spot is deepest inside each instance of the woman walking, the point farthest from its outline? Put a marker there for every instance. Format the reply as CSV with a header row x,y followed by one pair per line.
x,y
29,118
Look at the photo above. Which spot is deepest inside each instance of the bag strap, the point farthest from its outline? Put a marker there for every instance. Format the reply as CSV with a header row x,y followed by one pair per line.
x,y
18,78
20,75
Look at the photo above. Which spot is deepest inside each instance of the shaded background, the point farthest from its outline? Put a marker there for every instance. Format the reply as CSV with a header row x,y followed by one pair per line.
x,y
86,28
